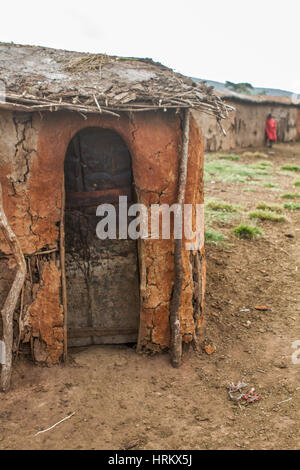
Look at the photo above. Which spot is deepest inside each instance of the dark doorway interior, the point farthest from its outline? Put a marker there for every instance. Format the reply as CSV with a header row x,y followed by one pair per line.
x,y
102,275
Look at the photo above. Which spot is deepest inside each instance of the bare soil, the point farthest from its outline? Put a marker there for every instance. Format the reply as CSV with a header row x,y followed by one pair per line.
x,y
123,400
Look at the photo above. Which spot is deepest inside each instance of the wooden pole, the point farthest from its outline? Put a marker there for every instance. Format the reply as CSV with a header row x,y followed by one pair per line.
x,y
10,303
63,265
176,337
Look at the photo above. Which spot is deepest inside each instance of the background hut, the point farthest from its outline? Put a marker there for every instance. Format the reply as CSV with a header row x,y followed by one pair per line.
x,y
246,124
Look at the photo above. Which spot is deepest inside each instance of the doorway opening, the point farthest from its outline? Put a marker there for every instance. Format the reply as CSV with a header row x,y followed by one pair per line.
x,y
101,275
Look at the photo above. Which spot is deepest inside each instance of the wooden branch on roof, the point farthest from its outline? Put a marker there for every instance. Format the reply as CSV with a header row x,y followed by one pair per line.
x,y
119,100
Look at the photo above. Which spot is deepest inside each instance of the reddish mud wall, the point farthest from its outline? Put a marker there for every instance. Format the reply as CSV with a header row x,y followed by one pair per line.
x,y
32,152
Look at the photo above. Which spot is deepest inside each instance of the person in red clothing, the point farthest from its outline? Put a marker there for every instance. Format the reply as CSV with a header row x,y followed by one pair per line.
x,y
271,130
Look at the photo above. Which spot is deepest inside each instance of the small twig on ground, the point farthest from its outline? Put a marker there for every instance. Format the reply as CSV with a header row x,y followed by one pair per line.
x,y
51,427
283,401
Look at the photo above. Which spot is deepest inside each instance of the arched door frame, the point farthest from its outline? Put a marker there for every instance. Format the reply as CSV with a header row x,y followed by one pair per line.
x,y
62,232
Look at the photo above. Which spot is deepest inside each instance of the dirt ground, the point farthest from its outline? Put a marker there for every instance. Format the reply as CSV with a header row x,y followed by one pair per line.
x,y
122,400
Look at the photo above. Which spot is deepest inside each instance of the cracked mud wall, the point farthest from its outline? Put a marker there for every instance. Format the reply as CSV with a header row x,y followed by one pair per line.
x,y
245,126
32,152
36,321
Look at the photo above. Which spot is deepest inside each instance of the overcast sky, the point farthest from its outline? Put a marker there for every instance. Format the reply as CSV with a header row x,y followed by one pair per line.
x,y
254,41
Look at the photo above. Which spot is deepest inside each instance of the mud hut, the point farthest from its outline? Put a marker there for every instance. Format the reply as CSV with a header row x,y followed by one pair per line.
x,y
246,124
78,130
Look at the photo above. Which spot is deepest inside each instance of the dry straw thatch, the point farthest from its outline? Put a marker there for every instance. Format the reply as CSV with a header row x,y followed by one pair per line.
x,y
39,79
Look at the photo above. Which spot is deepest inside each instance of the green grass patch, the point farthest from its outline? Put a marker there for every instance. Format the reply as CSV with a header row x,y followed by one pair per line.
x,y
266,215
291,168
212,236
231,172
269,207
262,165
217,205
219,212
292,206
234,158
290,196
249,190
271,185
297,184
247,232
255,154
222,156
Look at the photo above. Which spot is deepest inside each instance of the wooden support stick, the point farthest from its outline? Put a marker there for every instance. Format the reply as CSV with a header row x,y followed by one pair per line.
x,y
46,252
176,337
20,320
63,265
12,298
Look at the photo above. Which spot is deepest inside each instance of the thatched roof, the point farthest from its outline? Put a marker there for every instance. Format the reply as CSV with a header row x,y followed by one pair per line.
x,y
259,99
255,95
39,79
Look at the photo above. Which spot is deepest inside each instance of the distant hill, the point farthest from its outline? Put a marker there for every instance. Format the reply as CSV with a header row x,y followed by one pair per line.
x,y
254,91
